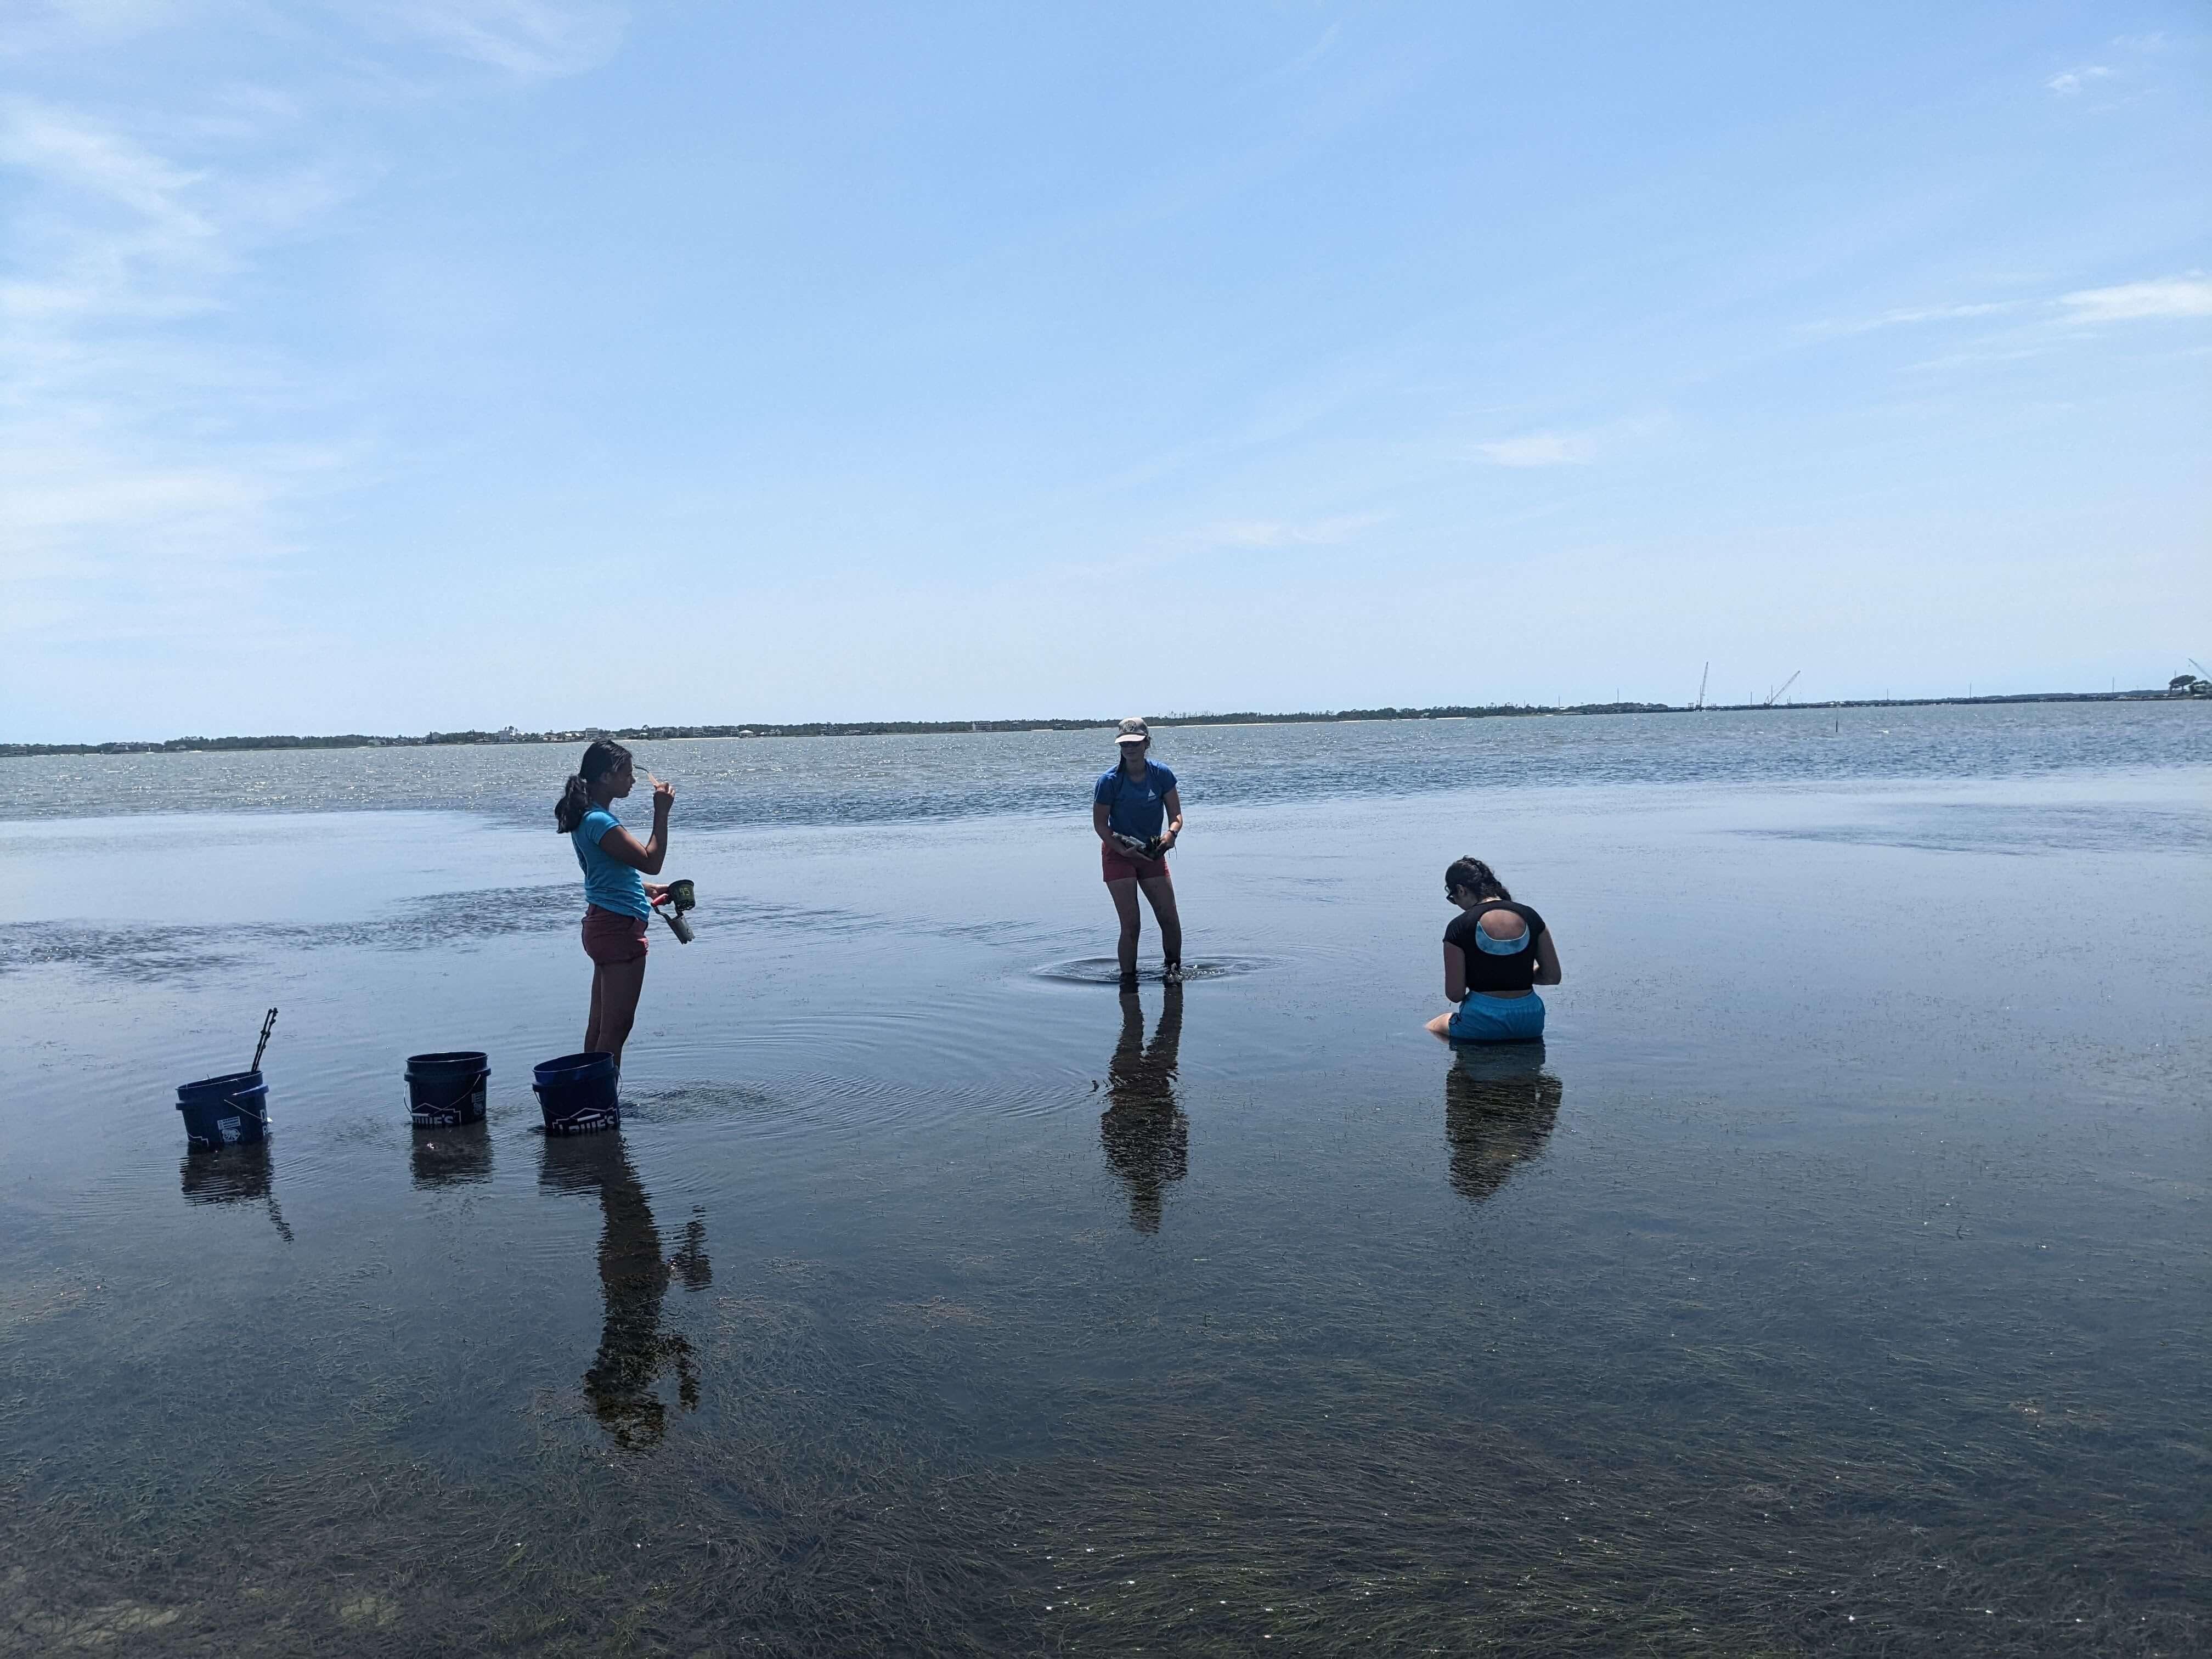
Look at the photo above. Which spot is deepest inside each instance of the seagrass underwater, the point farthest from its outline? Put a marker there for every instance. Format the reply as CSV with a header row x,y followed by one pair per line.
x,y
1831,1279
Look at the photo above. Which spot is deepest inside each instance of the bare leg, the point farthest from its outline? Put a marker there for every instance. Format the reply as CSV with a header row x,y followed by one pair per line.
x,y
1125,905
592,1024
1439,1027
1159,892
618,989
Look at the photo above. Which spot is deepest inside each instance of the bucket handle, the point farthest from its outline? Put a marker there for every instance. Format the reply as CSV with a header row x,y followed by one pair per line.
x,y
472,1079
243,1111
538,1089
475,1081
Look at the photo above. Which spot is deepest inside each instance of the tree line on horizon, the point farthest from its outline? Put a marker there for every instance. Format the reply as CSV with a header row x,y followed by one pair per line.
x,y
2186,685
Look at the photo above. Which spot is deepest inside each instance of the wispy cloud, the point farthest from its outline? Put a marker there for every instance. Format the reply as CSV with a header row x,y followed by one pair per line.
x,y
1280,532
1314,53
123,230
2188,295
1540,449
26,25
132,487
2167,296
2070,83
152,473
1905,316
1226,536
533,39
1979,356
2133,57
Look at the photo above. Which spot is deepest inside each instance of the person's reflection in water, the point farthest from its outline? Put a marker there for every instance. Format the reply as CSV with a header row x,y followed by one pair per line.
x,y
232,1175
633,1350
1146,1137
1499,1107
689,1261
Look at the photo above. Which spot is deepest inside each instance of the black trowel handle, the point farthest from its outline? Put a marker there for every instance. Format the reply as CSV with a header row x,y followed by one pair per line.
x,y
267,1023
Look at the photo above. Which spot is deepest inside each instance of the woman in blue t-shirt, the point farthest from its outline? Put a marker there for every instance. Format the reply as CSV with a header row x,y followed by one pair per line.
x,y
1138,815
1495,953
619,901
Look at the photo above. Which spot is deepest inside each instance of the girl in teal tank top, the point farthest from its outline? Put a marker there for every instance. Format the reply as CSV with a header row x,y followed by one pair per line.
x,y
618,900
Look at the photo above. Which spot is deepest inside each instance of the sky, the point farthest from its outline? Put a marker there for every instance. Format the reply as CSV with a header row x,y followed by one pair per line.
x,y
392,365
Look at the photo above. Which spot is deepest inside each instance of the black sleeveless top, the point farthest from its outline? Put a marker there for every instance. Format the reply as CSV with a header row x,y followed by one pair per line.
x,y
1486,972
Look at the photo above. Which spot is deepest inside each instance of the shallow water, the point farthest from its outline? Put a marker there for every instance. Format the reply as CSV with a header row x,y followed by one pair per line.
x,y
830,781
1834,1279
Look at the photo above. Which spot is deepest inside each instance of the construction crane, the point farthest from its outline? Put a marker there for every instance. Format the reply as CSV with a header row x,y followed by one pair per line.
x,y
1701,678
1775,695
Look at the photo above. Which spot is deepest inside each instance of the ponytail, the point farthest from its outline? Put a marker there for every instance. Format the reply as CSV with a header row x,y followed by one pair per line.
x,y
575,801
601,758
1474,875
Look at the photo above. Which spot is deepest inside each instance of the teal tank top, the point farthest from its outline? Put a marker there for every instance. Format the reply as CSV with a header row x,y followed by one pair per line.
x,y
608,883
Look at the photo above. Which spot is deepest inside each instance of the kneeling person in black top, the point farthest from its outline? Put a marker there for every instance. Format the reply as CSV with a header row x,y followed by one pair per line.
x,y
1495,953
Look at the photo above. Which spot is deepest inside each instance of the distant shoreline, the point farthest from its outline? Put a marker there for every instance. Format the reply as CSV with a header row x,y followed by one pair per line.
x,y
934,728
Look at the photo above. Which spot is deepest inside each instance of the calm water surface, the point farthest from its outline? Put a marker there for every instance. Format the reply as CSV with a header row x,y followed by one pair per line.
x,y
1836,1280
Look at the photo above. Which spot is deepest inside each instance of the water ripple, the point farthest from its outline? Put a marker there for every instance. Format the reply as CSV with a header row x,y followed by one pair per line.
x,y
1107,970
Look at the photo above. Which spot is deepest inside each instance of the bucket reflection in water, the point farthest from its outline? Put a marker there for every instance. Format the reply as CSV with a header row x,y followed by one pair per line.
x,y
235,1175
458,1155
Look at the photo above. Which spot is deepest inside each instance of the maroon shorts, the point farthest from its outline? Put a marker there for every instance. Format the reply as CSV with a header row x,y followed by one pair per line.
x,y
1119,866
612,939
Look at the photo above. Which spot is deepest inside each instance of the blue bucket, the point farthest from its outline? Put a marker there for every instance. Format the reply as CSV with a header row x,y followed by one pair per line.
x,y
225,1111
576,1092
443,1089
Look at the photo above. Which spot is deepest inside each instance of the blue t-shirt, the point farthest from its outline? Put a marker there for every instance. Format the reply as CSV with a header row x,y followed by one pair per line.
x,y
1136,809
608,883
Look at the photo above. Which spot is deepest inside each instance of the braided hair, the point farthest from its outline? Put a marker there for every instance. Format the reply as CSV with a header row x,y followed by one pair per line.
x,y
1471,875
601,758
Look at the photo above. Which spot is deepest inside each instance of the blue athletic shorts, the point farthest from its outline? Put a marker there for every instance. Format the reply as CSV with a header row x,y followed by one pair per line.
x,y
1498,1019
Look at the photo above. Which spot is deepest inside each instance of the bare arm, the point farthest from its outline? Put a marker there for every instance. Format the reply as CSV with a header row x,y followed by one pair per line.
x,y
1454,973
1098,812
622,847
1547,959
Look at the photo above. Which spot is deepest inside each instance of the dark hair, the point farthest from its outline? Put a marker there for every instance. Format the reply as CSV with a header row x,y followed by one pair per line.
x,y
601,758
1474,875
